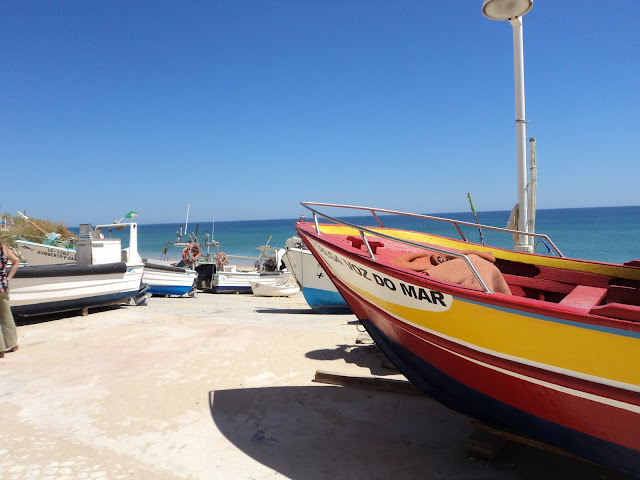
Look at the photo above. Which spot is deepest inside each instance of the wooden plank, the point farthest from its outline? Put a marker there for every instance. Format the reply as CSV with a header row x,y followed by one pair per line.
x,y
574,277
584,297
370,383
364,339
538,284
485,445
516,437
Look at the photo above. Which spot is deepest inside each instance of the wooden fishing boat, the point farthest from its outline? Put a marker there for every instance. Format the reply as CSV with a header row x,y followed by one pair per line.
x,y
547,345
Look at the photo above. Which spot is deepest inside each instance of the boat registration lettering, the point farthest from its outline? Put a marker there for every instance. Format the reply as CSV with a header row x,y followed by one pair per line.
x,y
394,290
329,254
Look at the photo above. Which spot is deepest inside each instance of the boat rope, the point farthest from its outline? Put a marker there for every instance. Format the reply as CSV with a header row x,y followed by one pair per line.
x,y
545,244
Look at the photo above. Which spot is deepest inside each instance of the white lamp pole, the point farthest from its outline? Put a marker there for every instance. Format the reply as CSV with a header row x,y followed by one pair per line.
x,y
513,10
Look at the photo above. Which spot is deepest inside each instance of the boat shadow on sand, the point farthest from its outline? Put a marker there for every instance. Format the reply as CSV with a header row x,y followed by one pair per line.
x,y
319,432
365,356
22,320
290,311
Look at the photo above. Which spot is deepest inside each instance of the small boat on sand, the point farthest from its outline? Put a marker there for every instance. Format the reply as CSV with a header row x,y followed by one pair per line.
x,y
261,289
164,278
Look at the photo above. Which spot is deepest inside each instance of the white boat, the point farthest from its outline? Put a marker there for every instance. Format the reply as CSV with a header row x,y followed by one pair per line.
x,y
37,253
217,275
163,278
261,289
228,279
317,288
104,273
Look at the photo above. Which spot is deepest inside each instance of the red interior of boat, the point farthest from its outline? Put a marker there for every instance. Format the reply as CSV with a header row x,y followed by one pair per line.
x,y
583,291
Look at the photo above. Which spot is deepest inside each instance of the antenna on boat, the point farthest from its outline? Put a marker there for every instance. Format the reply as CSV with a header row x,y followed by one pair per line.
x,y
473,209
186,225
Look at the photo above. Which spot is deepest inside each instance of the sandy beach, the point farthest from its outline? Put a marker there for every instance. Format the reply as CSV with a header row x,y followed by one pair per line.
x,y
222,387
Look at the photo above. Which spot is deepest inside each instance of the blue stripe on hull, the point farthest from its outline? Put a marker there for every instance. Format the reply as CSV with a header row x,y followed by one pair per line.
x,y
324,301
232,289
463,399
168,290
74,304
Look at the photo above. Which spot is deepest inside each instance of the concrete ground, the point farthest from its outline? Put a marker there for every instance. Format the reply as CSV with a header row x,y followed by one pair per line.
x,y
221,387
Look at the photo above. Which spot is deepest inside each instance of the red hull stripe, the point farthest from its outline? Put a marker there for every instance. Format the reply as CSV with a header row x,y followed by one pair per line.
x,y
610,420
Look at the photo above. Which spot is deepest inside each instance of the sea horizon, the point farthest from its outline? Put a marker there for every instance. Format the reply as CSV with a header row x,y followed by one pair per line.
x,y
605,234
437,214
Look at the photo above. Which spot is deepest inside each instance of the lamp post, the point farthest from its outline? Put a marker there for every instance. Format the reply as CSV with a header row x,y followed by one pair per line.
x,y
513,10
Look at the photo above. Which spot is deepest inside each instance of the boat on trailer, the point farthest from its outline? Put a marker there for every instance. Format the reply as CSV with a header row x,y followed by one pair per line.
x,y
104,273
547,345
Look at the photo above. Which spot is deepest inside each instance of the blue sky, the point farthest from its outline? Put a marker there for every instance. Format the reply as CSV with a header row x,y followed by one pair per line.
x,y
245,108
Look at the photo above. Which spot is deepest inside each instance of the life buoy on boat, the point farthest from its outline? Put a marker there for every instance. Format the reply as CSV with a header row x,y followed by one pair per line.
x,y
191,253
221,258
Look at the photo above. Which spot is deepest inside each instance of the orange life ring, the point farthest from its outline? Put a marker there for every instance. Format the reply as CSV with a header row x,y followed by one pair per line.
x,y
195,251
221,258
191,253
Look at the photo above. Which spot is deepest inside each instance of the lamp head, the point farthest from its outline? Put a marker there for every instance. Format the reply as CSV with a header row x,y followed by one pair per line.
x,y
505,9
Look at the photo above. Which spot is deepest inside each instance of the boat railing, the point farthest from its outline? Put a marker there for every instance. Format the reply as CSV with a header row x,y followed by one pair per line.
x,y
374,211
455,223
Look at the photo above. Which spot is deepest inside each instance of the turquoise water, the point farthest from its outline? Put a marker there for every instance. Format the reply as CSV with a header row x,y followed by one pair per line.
x,y
608,234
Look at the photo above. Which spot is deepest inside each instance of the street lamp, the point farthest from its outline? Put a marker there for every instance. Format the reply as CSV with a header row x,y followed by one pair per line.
x,y
513,10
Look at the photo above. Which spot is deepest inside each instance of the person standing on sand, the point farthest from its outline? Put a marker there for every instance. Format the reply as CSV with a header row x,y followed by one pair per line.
x,y
8,331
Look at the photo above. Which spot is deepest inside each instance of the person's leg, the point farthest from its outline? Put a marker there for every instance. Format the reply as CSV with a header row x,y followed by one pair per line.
x,y
9,337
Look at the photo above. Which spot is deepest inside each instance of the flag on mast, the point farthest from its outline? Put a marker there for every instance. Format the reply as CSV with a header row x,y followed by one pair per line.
x,y
131,214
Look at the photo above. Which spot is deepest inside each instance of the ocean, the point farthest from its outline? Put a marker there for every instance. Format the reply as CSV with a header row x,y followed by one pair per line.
x,y
606,234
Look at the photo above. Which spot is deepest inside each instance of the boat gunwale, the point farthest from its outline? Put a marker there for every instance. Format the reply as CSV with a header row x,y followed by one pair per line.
x,y
525,305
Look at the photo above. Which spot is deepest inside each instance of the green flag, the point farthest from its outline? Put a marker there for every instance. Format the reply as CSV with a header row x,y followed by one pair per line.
x,y
131,214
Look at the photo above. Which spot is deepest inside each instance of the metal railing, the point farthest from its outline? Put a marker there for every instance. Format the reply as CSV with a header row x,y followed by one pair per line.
x,y
455,223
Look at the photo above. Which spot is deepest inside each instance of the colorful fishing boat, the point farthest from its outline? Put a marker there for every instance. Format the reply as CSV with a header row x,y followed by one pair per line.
x,y
547,345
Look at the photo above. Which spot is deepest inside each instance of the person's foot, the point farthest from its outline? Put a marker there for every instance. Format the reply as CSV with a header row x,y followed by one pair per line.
x,y
13,349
